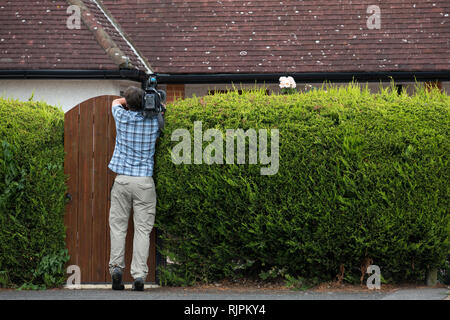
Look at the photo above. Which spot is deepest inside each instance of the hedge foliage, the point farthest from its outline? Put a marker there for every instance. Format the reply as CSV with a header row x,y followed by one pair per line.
x,y
32,189
362,179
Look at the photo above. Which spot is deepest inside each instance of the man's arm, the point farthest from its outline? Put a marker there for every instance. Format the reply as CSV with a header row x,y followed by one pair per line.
x,y
120,101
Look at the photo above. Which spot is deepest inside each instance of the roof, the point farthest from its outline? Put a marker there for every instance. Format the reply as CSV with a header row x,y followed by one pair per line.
x,y
34,36
259,36
226,36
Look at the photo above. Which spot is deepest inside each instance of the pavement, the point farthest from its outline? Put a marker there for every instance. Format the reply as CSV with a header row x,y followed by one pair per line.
x,y
170,293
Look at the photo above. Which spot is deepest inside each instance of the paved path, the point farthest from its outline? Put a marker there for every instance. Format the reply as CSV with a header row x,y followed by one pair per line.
x,y
212,294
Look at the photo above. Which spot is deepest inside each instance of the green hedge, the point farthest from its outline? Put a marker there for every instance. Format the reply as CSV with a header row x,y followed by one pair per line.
x,y
32,189
363,178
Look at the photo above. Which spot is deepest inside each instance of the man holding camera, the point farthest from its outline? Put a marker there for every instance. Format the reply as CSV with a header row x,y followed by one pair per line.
x,y
133,187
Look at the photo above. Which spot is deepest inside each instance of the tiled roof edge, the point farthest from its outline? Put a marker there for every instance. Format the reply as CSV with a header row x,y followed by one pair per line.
x,y
104,40
125,37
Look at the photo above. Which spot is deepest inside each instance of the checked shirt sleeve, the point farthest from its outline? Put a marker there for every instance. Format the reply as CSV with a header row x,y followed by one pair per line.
x,y
117,111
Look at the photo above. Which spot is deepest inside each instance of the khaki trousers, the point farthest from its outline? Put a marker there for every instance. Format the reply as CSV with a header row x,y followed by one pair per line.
x,y
137,193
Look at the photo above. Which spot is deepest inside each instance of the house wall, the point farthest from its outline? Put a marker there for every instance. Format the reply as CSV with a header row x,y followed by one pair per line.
x,y
203,89
62,93
68,93
174,92
446,87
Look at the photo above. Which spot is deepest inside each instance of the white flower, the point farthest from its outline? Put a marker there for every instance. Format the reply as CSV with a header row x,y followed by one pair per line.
x,y
284,83
292,82
287,82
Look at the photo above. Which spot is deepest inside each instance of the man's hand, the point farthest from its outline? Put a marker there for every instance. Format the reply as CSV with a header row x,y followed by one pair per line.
x,y
120,101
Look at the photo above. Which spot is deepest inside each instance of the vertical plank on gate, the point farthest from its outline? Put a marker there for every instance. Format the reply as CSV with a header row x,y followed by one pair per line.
x,y
85,190
71,170
111,177
100,197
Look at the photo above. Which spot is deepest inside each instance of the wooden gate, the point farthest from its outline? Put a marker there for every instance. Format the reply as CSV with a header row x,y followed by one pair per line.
x,y
89,139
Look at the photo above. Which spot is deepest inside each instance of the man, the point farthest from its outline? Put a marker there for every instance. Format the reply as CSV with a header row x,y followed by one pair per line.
x,y
133,187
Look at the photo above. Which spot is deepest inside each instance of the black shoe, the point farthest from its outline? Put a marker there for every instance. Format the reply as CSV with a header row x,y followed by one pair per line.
x,y
117,280
138,284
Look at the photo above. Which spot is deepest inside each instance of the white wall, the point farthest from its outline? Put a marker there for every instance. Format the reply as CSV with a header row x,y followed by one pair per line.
x,y
62,93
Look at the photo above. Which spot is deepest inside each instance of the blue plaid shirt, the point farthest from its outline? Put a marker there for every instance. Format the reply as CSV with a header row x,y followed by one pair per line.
x,y
135,143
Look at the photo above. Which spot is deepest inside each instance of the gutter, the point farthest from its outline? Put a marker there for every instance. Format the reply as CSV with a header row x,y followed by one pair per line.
x,y
163,78
121,74
311,77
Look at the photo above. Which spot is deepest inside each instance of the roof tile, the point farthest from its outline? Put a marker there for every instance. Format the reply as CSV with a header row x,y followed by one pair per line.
x,y
206,36
287,36
35,35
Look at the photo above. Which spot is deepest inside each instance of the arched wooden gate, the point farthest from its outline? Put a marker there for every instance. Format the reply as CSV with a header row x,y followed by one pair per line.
x,y
89,139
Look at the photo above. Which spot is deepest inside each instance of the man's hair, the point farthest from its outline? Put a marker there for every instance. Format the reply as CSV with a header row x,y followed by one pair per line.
x,y
134,96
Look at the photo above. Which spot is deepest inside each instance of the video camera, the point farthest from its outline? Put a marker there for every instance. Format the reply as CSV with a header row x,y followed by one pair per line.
x,y
153,101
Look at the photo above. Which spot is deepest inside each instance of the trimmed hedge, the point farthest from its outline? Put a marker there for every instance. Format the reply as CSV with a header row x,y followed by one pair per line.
x,y
363,179
32,189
